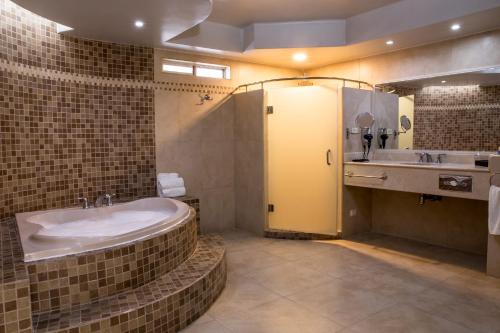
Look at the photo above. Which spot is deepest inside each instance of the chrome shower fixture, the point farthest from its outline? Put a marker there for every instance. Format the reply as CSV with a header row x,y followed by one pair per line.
x,y
204,98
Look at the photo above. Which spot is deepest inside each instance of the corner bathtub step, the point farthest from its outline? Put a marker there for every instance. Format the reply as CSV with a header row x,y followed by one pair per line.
x,y
167,304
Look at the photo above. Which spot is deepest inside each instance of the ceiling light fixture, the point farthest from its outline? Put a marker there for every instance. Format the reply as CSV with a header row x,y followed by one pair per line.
x,y
299,57
139,24
455,27
444,81
390,42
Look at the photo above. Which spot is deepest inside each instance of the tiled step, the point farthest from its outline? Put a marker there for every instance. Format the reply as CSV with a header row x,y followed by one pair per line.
x,y
166,304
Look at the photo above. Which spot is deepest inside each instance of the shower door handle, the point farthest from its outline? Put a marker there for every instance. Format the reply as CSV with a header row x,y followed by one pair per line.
x,y
328,155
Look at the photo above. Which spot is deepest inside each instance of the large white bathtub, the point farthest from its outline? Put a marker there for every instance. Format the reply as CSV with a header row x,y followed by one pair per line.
x,y
59,232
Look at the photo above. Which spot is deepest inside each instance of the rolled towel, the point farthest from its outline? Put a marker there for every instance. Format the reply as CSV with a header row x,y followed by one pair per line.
x,y
171,182
494,211
173,192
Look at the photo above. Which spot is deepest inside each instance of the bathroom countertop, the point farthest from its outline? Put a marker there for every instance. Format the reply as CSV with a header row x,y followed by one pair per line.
x,y
442,166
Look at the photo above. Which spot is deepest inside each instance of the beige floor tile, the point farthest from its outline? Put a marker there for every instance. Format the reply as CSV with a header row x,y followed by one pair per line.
x,y
248,261
373,284
289,278
476,312
296,250
241,293
206,327
402,318
279,316
335,265
342,301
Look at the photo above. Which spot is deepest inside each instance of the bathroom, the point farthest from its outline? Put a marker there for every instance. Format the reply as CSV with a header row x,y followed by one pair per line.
x,y
230,166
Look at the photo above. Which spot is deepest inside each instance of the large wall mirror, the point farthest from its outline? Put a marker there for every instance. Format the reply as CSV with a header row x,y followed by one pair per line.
x,y
453,112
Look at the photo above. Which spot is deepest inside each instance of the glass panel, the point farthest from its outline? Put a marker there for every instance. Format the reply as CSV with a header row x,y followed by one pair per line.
x,y
216,73
302,186
181,69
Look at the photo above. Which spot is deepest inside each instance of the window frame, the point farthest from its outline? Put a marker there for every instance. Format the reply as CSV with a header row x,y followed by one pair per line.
x,y
225,69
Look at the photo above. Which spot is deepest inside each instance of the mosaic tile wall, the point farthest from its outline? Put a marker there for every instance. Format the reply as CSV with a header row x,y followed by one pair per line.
x,y
65,131
457,118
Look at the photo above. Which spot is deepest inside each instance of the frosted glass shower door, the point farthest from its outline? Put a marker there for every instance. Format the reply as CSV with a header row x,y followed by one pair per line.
x,y
302,159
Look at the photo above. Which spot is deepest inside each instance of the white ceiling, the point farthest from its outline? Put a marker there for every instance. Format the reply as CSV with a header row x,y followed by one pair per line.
x,y
241,13
349,29
113,20
485,77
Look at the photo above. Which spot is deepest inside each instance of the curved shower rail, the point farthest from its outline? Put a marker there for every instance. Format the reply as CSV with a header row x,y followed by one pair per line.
x,y
301,78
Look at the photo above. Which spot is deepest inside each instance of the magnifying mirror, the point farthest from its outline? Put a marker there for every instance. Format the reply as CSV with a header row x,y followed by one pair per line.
x,y
405,123
365,120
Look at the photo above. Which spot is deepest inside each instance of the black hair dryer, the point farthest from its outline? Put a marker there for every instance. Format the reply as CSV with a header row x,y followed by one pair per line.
x,y
382,137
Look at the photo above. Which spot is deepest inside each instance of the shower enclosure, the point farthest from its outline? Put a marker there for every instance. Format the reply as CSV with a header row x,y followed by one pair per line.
x,y
288,156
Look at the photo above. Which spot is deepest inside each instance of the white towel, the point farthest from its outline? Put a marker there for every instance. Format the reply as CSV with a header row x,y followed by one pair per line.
x,y
162,176
170,182
494,211
173,192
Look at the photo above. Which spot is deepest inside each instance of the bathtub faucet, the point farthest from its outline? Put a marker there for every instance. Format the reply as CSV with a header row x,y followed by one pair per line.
x,y
104,199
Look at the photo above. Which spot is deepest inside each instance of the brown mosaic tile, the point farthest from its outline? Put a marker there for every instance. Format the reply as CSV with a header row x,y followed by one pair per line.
x,y
32,40
12,267
456,118
296,235
167,304
195,203
60,283
61,140
15,309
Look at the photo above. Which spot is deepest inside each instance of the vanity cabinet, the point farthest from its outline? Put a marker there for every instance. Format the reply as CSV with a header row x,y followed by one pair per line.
x,y
467,182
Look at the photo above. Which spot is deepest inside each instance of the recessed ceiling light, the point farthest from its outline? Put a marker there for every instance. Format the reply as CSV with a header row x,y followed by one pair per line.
x,y
299,57
139,24
455,27
390,42
444,81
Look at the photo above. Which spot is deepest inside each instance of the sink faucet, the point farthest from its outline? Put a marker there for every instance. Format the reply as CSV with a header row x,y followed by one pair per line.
x,y
440,158
104,199
426,156
85,203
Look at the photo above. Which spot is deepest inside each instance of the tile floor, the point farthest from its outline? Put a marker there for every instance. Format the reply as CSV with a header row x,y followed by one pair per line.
x,y
371,283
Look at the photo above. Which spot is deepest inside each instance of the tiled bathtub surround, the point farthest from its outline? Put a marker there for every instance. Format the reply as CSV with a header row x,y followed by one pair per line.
x,y
456,118
67,281
15,309
167,304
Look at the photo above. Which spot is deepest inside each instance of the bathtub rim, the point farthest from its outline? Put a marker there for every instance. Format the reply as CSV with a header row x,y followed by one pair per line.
x,y
106,244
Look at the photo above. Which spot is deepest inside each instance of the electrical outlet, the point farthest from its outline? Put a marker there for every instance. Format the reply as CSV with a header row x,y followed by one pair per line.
x,y
353,212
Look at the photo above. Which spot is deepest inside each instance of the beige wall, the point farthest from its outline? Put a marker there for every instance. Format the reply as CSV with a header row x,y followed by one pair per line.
x,y
453,222
198,141
478,51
